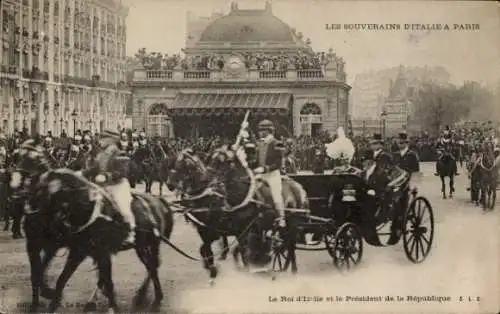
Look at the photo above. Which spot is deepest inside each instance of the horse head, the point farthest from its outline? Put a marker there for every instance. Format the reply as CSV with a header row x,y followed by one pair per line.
x,y
74,203
30,163
187,172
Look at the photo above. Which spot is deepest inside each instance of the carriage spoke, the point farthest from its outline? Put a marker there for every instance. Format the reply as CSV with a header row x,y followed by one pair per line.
x,y
425,239
413,244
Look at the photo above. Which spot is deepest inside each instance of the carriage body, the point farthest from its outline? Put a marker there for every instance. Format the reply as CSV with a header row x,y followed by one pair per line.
x,y
344,210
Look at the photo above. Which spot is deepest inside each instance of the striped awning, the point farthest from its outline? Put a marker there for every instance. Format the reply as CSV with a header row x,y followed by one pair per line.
x,y
229,104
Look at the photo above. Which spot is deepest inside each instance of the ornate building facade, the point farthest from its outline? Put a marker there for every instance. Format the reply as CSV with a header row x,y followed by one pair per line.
x,y
63,65
256,62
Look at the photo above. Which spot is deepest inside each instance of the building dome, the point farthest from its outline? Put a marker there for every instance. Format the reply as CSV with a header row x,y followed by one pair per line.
x,y
248,25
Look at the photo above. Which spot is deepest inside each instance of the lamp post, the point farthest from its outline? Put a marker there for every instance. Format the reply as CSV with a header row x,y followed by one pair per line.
x,y
383,116
74,114
26,111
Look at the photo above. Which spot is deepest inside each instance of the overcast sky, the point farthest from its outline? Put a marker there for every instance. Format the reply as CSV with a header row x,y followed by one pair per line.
x,y
160,25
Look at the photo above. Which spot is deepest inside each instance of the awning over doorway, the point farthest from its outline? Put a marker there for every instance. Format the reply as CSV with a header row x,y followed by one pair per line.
x,y
229,104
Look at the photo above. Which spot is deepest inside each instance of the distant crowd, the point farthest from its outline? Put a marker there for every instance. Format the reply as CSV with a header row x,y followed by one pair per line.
x,y
257,61
305,148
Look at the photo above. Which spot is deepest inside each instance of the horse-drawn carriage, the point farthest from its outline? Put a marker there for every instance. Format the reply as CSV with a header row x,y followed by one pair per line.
x,y
344,211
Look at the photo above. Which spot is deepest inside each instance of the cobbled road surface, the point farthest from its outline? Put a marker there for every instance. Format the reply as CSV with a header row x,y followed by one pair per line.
x,y
463,268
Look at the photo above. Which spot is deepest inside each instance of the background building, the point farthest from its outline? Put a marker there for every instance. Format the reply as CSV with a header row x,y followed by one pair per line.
x,y
371,89
245,60
63,65
386,96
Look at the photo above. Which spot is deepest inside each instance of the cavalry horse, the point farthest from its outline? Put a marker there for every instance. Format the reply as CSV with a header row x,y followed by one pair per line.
x,y
484,178
64,209
225,198
153,162
446,168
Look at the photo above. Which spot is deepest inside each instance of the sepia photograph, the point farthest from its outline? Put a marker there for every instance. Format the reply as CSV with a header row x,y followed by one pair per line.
x,y
249,156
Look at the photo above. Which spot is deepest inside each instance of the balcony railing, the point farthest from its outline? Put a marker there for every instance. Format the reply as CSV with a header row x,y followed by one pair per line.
x,y
141,75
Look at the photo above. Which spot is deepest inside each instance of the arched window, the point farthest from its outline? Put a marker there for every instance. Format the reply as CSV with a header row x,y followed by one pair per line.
x,y
310,108
311,119
158,120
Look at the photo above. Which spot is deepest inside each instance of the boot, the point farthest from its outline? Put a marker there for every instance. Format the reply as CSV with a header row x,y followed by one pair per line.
x,y
130,240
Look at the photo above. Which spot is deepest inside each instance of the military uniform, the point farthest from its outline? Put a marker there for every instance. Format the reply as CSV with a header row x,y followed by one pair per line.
x,y
445,146
377,175
269,161
110,170
406,158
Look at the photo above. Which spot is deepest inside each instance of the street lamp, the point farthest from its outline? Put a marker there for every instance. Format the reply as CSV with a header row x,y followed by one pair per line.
x,y
383,116
74,114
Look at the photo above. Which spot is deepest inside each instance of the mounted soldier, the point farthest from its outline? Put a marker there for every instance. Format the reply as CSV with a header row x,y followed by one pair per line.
x,y
110,170
48,145
269,161
124,142
87,144
135,141
74,149
446,147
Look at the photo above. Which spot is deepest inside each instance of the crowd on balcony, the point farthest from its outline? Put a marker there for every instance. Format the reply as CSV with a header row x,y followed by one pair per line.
x,y
254,61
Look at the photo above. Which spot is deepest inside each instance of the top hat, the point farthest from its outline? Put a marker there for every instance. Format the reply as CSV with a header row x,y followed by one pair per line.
x,y
403,137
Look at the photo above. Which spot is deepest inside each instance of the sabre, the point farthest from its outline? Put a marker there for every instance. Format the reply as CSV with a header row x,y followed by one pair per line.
x,y
243,127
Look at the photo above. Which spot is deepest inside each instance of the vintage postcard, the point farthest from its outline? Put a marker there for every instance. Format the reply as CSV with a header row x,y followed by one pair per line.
x,y
249,156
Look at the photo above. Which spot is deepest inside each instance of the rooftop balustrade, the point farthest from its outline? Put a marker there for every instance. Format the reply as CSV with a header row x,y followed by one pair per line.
x,y
178,75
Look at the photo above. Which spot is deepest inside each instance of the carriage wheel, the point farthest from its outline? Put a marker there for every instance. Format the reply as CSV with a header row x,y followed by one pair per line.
x,y
346,247
280,258
418,230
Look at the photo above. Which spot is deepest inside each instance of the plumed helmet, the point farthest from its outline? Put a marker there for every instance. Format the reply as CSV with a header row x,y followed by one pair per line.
x,y
266,125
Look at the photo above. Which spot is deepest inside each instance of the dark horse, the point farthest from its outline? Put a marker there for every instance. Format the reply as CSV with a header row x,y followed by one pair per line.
x,y
447,168
226,199
488,177
66,210
153,162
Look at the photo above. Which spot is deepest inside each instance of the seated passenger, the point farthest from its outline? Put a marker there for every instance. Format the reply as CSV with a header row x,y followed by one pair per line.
x,y
341,150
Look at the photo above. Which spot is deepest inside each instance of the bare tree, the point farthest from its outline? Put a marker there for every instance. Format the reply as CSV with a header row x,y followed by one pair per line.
x,y
438,105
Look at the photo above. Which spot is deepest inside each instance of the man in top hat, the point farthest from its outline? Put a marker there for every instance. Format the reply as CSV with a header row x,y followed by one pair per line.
x,y
110,171
406,158
269,161
379,164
